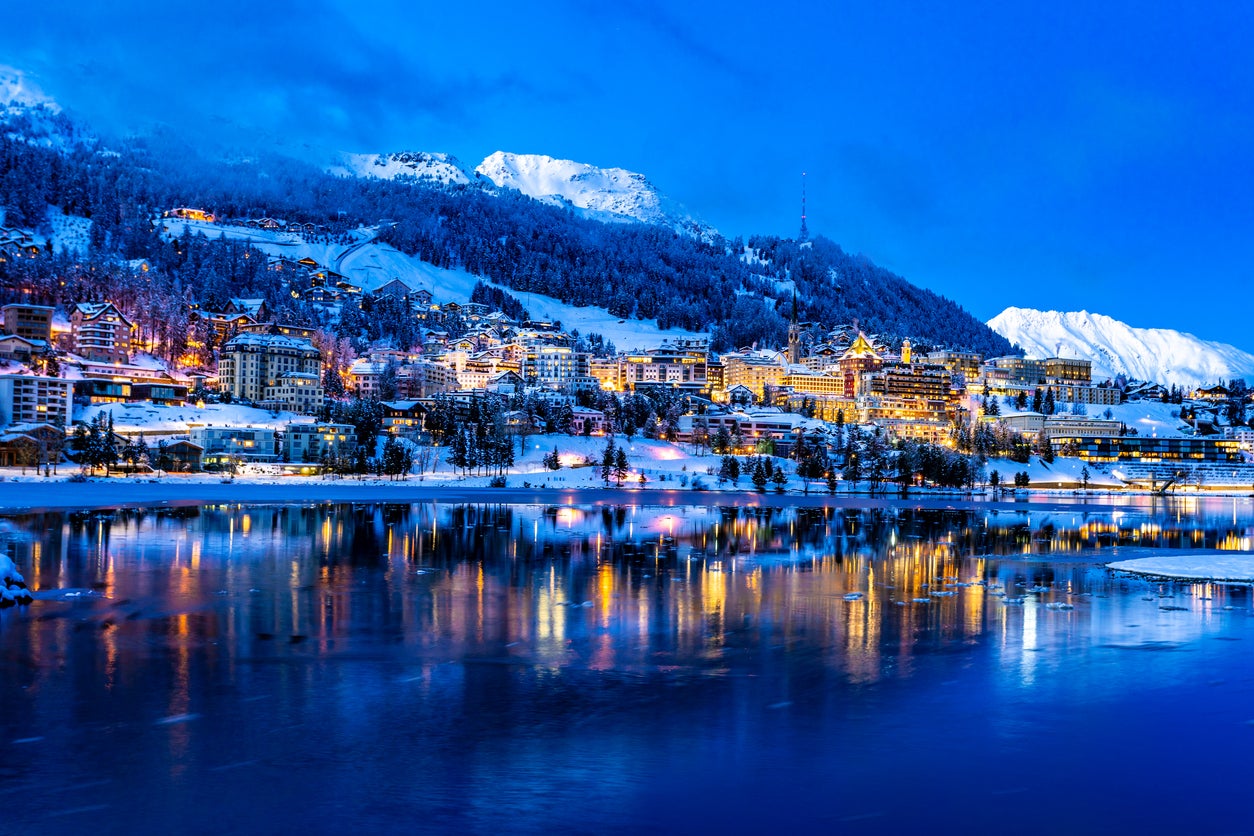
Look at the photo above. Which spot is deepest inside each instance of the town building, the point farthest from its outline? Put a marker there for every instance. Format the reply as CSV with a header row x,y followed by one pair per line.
x,y
310,442
299,392
679,366
100,332
28,399
251,364
756,371
1134,449
964,363
32,322
226,445
862,356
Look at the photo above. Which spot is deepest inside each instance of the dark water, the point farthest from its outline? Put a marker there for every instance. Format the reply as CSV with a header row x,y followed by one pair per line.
x,y
490,668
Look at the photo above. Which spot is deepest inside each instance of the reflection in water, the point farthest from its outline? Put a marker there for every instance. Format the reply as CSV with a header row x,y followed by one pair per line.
x,y
211,635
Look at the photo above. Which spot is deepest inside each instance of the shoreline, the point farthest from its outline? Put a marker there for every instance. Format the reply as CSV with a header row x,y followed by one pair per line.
x,y
58,493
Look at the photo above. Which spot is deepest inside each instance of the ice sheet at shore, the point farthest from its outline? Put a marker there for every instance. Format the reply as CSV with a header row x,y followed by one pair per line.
x,y
1199,565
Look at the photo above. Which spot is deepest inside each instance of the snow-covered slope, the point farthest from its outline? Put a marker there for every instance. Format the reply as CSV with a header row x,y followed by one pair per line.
x,y
17,88
370,264
1156,354
607,194
420,165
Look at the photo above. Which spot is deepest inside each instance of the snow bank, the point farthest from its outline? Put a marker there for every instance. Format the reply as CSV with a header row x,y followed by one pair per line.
x,y
1192,566
12,584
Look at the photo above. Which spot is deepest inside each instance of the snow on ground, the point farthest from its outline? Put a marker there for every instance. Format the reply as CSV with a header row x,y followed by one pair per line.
x,y
1192,565
1148,418
69,233
423,165
174,420
371,264
663,464
1061,473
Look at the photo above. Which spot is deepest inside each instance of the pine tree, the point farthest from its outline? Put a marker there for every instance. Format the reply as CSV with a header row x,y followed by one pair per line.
x,y
620,466
607,460
759,474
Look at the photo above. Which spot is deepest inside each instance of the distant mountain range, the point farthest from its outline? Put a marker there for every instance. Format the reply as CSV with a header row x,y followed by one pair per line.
x,y
1154,354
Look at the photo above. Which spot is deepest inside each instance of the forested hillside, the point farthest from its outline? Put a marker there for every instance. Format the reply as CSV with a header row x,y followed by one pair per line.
x,y
633,270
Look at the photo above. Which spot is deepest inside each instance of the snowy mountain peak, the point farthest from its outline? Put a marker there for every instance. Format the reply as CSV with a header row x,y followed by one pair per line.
x,y
607,194
419,165
1155,354
19,89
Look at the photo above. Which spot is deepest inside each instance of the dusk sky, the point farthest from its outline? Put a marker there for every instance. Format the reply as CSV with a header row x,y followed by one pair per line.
x,y
1086,156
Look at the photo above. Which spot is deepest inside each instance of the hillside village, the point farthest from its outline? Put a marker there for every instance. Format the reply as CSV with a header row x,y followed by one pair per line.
x,y
84,384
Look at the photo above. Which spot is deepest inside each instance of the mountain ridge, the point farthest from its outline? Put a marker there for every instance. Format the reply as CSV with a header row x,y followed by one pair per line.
x,y
1162,355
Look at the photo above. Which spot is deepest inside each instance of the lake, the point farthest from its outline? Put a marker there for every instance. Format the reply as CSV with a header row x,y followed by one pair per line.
x,y
608,668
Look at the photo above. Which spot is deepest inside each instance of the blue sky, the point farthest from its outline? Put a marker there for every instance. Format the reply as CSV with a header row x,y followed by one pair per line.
x,y
1042,155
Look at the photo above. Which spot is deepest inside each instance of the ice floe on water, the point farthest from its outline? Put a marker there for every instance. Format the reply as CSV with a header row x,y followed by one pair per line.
x,y
1192,566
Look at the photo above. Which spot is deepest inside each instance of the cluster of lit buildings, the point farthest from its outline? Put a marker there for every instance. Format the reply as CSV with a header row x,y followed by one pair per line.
x,y
470,349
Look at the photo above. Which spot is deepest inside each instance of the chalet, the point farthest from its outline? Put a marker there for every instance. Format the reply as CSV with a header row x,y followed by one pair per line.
x,y
30,445
20,349
585,421
1145,392
225,325
505,381
256,308
421,297
1212,393
403,418
180,456
740,395
189,214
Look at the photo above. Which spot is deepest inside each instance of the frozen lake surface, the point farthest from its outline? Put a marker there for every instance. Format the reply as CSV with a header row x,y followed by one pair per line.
x,y
471,668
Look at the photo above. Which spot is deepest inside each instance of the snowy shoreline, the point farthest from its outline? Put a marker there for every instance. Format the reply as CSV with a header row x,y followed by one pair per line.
x,y
34,493
1227,567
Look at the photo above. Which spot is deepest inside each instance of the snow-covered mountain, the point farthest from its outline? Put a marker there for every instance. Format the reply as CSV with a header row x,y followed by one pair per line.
x,y
421,165
1157,354
607,194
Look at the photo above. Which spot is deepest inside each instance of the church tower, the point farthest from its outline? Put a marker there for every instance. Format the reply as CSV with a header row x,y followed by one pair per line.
x,y
794,333
905,352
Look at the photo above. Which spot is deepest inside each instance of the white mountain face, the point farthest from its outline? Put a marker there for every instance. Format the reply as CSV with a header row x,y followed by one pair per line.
x,y
17,88
607,194
1154,354
420,165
